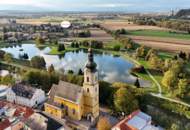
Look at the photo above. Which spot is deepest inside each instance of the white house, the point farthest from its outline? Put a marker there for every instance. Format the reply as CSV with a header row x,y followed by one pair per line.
x,y
25,95
3,90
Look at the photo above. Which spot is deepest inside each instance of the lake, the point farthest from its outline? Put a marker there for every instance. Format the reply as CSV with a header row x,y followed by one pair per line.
x,y
111,68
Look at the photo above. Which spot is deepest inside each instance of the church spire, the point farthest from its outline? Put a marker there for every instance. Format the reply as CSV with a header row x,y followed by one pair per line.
x,y
91,64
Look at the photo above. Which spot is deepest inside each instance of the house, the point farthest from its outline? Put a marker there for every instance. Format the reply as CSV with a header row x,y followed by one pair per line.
x,y
3,91
13,116
136,121
25,95
38,121
75,102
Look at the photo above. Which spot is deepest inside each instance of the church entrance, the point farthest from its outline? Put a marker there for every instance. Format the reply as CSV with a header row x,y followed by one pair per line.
x,y
90,117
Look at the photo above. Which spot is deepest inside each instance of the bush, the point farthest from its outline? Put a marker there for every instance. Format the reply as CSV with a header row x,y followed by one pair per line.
x,y
116,48
38,62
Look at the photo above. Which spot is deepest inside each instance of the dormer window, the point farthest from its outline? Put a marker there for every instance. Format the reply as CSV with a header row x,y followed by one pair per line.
x,y
87,79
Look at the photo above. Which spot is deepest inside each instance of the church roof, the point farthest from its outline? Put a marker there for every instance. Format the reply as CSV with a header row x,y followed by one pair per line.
x,y
67,91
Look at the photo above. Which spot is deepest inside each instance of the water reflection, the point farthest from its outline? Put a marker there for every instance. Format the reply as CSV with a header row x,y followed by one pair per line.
x,y
111,68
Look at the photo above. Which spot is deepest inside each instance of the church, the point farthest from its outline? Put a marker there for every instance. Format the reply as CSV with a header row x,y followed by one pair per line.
x,y
73,101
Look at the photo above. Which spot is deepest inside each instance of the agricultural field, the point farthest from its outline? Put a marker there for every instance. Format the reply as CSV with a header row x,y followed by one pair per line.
x,y
159,33
114,25
161,39
96,34
164,46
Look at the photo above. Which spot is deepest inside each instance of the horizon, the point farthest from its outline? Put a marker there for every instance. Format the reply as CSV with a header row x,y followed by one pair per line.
x,y
129,6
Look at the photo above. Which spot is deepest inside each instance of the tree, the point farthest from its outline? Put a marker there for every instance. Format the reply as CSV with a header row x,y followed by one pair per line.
x,y
76,45
106,95
182,55
80,72
51,69
116,48
41,79
140,52
40,40
125,101
175,127
61,47
8,57
167,64
150,53
103,124
70,72
2,53
38,62
170,78
155,62
182,86
73,44
137,83
7,80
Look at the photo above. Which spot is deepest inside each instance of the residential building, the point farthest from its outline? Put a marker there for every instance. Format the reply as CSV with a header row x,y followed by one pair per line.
x,y
13,116
73,101
3,91
136,121
25,95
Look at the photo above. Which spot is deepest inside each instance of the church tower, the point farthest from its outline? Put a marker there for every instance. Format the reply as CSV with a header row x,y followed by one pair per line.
x,y
91,88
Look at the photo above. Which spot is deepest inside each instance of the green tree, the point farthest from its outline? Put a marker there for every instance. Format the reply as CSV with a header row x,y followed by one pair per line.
x,y
8,80
155,62
170,78
51,69
140,52
73,44
125,101
137,83
175,127
8,57
182,86
106,95
70,72
38,62
116,48
61,47
150,53
41,79
80,72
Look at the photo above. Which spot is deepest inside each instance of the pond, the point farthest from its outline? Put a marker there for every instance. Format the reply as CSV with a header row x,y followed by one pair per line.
x,y
111,68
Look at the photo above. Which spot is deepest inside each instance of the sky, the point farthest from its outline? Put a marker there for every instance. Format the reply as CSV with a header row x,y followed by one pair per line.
x,y
95,5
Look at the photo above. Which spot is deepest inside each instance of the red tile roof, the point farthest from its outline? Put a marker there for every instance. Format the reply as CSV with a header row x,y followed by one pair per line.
x,y
123,124
26,111
4,124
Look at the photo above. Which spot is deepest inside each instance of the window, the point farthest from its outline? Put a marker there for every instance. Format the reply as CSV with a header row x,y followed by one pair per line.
x,y
96,89
73,111
87,79
88,90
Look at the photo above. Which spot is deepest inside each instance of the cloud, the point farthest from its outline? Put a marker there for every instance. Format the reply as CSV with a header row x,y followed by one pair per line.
x,y
112,5
32,3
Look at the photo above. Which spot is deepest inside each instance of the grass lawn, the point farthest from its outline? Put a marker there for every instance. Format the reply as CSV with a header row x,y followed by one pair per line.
x,y
110,45
165,55
54,50
157,33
